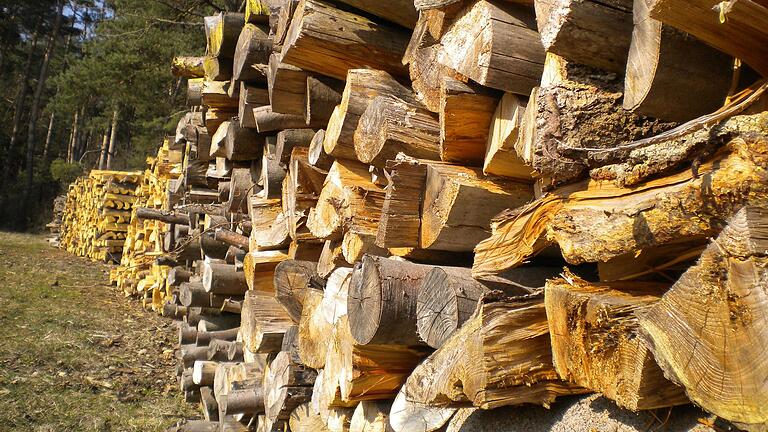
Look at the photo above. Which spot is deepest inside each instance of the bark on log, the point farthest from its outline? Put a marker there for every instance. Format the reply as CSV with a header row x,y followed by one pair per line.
x,y
656,212
501,356
241,187
448,296
250,97
500,158
739,31
331,41
587,32
577,106
204,338
595,341
451,218
466,113
242,144
264,322
217,69
231,238
187,67
162,215
362,86
322,96
287,87
317,156
203,372
666,66
222,39
400,12
223,279
249,401
291,285
382,301
272,176
390,126
708,329
252,54
495,44
289,139
269,121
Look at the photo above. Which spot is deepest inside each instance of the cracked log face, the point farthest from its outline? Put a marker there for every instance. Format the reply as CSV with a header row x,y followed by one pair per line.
x,y
709,332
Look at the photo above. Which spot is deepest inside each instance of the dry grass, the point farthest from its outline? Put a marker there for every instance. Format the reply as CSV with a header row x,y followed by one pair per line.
x,y
74,354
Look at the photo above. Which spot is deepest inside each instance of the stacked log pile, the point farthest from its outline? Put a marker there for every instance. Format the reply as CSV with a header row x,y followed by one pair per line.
x,y
96,213
378,213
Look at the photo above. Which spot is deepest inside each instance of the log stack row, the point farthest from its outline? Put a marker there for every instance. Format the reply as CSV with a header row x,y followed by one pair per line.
x,y
96,214
388,211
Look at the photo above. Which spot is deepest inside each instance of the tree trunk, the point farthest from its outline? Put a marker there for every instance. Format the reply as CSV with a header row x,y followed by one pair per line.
x,y
36,103
48,137
21,96
104,148
75,138
112,138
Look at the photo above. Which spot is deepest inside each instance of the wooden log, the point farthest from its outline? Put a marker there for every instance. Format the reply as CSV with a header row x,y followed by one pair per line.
x,y
287,87
269,121
331,258
303,419
231,238
223,279
221,322
448,296
259,267
289,385
514,333
272,175
304,184
666,66
203,372
707,330
189,355
195,92
222,40
317,156
187,67
252,54
162,216
291,285
241,143
371,416
331,41
362,86
400,12
215,94
275,238
400,224
204,338
248,400
382,301
501,158
322,96
595,341
264,322
217,69
412,416
570,95
587,32
289,139
257,11
250,97
495,44
212,248
421,56
349,199
187,334
737,29
653,213
466,113
339,419
367,372
451,218
208,404
355,244
241,185
390,126
314,329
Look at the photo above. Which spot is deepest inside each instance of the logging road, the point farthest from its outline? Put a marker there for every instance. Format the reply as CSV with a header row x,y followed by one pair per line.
x,y
75,355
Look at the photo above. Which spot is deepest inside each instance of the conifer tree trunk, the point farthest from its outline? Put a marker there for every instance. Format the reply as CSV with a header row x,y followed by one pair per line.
x,y
112,137
48,138
19,103
35,108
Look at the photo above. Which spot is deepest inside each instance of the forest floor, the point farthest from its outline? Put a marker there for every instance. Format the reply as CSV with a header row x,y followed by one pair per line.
x,y
75,355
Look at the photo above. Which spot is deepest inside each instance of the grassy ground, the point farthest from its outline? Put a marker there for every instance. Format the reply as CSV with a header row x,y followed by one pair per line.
x,y
74,354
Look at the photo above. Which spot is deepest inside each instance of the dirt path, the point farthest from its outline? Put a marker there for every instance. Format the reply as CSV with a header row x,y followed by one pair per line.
x,y
74,354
